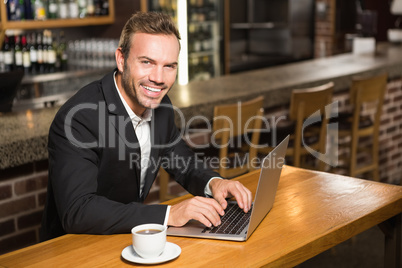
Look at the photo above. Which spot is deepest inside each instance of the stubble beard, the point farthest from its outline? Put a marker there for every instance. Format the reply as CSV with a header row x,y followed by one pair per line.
x,y
132,91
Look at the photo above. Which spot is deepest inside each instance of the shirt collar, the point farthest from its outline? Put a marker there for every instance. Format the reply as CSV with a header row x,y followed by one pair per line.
x,y
135,118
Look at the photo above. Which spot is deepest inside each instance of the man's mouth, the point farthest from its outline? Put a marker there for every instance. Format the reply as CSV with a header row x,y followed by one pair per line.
x,y
152,89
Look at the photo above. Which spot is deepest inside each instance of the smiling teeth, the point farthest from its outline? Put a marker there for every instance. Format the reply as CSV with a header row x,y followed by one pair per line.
x,y
152,89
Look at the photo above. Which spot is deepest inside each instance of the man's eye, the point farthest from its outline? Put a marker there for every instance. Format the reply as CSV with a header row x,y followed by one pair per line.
x,y
146,62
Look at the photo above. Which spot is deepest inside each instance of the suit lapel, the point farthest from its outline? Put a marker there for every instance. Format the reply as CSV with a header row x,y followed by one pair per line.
x,y
127,143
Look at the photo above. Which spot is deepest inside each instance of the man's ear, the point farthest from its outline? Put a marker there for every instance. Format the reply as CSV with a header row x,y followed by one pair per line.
x,y
119,60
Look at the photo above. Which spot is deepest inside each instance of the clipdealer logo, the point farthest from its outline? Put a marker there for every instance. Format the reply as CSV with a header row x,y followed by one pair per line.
x,y
112,132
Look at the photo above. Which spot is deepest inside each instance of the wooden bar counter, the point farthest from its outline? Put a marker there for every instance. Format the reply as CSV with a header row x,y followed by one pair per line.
x,y
313,212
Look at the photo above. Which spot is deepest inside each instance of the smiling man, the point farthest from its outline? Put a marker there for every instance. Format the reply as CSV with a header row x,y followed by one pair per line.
x,y
149,71
107,142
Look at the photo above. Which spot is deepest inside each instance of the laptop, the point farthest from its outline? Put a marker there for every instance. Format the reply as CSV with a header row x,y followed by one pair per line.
x,y
242,225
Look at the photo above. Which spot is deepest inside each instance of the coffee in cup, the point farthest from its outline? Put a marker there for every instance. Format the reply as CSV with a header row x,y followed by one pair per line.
x,y
149,240
149,231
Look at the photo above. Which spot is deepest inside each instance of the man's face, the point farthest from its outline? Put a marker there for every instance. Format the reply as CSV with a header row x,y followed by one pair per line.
x,y
149,71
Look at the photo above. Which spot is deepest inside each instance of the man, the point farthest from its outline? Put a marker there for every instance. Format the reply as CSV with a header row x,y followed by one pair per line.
x,y
107,142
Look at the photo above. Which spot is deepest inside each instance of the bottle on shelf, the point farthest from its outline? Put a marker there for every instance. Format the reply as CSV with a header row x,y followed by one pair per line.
x,y
193,68
8,10
40,10
173,10
206,34
204,69
192,3
209,66
45,42
20,10
40,60
89,54
211,10
197,39
201,67
8,53
51,53
169,7
90,8
196,12
191,32
105,8
26,58
73,9
33,53
82,8
62,54
11,6
29,9
2,64
98,7
18,53
53,9
63,9
45,52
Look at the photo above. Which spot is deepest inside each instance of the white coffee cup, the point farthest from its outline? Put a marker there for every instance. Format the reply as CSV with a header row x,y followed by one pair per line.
x,y
149,240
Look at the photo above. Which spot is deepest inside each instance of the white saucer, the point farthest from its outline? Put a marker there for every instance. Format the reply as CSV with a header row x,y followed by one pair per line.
x,y
171,251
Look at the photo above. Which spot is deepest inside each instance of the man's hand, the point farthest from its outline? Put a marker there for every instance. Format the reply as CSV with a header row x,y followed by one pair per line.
x,y
222,189
209,210
205,210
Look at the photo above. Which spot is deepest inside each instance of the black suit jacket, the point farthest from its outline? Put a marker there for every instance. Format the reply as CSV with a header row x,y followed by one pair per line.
x,y
94,170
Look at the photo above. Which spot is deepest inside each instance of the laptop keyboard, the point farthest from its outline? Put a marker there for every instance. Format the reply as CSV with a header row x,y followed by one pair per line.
x,y
233,222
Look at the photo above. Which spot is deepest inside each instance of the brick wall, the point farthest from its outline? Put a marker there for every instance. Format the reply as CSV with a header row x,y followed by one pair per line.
x,y
22,198
391,134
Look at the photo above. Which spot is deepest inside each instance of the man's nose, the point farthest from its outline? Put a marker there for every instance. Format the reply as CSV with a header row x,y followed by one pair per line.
x,y
156,75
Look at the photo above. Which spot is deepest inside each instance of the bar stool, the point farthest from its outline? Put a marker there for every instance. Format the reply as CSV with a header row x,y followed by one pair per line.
x,y
306,105
236,131
365,93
